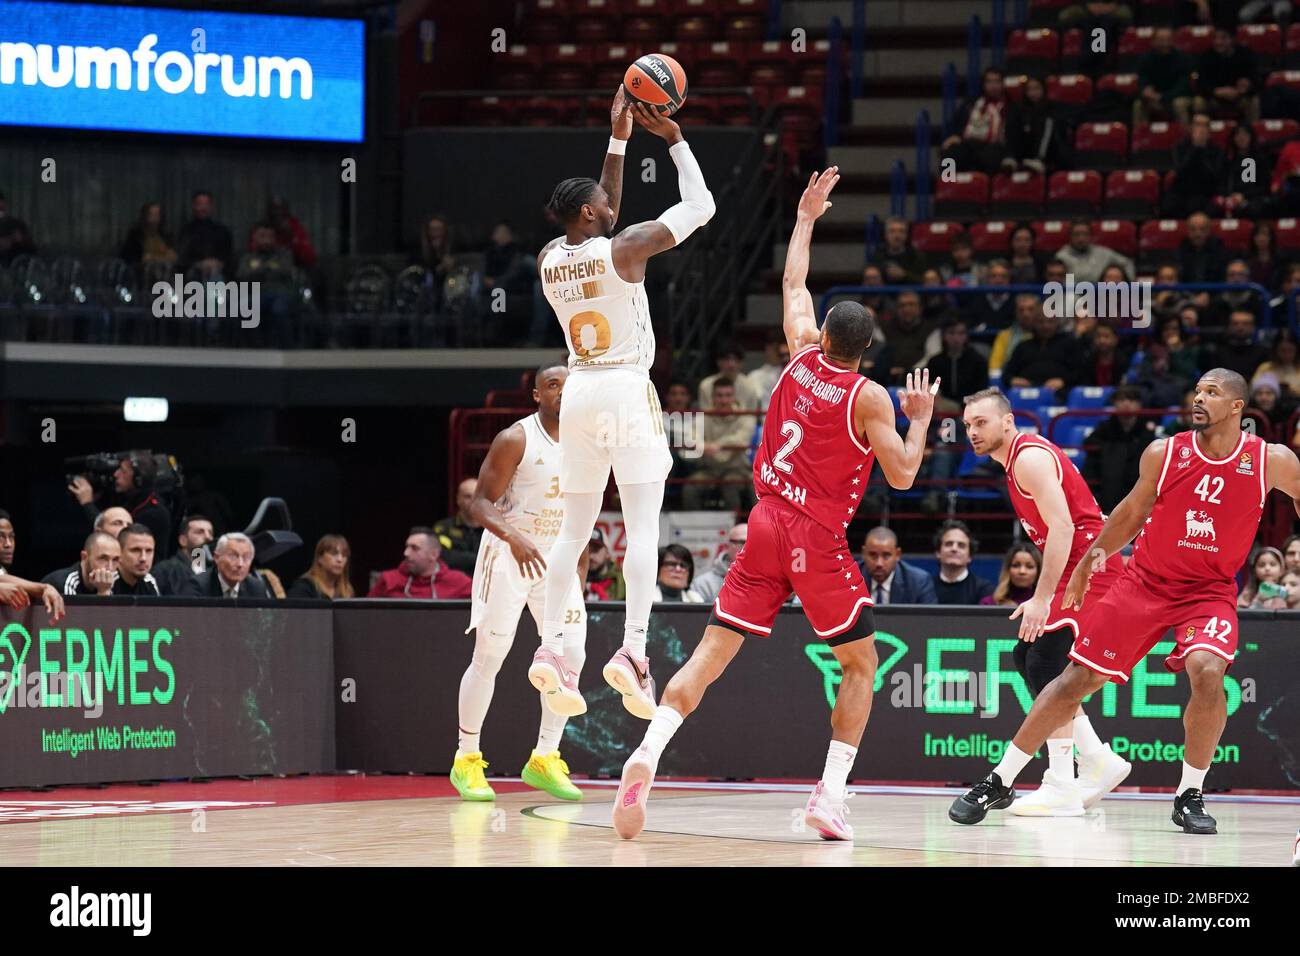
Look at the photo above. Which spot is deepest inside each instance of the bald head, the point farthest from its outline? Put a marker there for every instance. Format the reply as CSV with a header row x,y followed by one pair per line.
x,y
1230,382
880,553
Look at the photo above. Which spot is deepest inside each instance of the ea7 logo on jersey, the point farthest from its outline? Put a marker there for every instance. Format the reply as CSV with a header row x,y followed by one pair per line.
x,y
1199,525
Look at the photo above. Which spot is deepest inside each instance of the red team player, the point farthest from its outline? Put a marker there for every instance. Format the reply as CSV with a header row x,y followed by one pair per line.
x,y
1195,511
1061,517
824,427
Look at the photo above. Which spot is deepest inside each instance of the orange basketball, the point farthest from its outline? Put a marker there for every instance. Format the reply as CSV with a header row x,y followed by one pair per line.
x,y
658,81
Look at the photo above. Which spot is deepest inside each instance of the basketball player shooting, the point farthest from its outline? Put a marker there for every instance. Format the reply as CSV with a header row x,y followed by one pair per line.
x,y
825,426
518,503
1195,511
611,417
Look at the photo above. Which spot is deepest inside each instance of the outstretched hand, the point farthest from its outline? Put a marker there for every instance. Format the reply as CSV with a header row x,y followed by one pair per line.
x,y
814,200
620,115
916,397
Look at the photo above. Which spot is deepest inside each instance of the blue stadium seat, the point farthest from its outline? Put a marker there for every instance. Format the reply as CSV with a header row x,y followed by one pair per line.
x,y
1072,435
966,469
1032,399
1075,455
1090,396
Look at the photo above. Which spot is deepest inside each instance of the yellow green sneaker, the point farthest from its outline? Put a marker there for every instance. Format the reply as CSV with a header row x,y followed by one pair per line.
x,y
468,779
548,772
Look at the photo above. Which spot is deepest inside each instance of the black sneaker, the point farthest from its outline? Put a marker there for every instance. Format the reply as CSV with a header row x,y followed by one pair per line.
x,y
1189,813
988,794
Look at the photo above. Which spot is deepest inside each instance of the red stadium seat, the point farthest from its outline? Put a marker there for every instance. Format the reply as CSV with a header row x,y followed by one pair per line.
x,y
1153,144
1234,233
644,30
1071,50
695,29
800,108
1291,59
1265,39
594,21
1051,235
1133,45
567,66
1046,12
812,65
1073,90
1033,51
1289,78
1018,194
1132,192
539,111
1287,234
992,239
1194,40
609,62
1101,145
1074,193
720,63
1221,132
964,198
517,69
1158,241
492,110
703,112
741,28
1122,84
770,63
935,238
546,21
1015,87
1118,234
1274,133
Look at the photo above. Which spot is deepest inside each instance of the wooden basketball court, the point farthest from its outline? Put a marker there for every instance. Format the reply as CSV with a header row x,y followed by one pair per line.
x,y
415,820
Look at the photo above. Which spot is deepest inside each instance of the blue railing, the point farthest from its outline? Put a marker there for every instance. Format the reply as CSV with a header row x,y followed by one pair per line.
x,y
974,40
898,189
874,232
859,41
998,45
773,19
949,98
1022,14
834,79
923,165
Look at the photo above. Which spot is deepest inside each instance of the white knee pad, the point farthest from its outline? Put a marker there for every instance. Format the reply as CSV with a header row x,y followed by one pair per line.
x,y
490,650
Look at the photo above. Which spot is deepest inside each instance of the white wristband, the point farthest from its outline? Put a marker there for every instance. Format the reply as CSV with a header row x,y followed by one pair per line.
x,y
617,146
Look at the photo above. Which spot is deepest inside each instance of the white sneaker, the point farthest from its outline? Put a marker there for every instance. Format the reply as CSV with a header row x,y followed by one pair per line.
x,y
1101,773
633,791
1055,798
827,816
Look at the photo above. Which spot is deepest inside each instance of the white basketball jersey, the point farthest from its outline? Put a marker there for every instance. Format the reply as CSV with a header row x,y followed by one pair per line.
x,y
533,504
606,321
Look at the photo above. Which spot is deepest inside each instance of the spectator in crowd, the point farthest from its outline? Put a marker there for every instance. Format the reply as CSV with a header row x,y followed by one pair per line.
x,y
1290,282
983,125
1200,170
708,584
437,257
290,234
329,577
1248,173
230,576
148,241
1263,579
908,336
422,573
730,361
1201,256
1111,17
1156,376
727,434
1227,77
958,369
900,262
136,563
1038,141
505,263
1025,264
1046,360
879,304
1019,577
1105,358
113,520
1164,81
683,428
204,244
1281,363
1055,270
676,571
1184,353
8,541
177,575
1166,302
1115,448
271,266
1266,395
1291,581
891,579
1238,351
1085,259
1284,199
961,270
776,356
1265,268
15,236
1028,312
1225,303
604,576
460,535
133,486
95,571
1291,553
937,307
955,549
878,359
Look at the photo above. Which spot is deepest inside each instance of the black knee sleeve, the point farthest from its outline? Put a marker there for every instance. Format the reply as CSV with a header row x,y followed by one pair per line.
x,y
1041,662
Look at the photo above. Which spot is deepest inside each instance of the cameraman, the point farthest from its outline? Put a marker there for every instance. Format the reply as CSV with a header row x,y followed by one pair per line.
x,y
133,485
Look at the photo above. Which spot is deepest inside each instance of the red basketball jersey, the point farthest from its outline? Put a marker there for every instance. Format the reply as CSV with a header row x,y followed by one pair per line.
x,y
1084,512
1204,520
809,457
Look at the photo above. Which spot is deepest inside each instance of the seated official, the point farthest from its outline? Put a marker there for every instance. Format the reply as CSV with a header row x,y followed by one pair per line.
x,y
95,572
892,580
230,577
177,575
136,563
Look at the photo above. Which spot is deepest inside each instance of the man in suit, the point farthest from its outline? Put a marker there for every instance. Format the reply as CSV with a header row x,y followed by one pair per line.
x,y
230,577
892,580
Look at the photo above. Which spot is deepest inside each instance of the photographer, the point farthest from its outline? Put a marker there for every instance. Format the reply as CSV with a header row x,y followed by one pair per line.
x,y
133,569
133,487
95,573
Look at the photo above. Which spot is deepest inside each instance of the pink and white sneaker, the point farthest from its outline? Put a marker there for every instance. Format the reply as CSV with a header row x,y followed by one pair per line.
x,y
633,791
632,679
826,816
558,684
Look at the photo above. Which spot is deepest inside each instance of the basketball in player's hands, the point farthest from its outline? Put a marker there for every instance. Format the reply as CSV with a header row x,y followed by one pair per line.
x,y
658,81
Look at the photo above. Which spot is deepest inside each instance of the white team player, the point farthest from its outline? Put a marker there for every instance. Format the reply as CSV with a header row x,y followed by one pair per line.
x,y
519,504
611,415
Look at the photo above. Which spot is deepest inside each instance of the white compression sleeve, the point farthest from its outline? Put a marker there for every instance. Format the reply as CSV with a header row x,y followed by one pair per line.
x,y
696,207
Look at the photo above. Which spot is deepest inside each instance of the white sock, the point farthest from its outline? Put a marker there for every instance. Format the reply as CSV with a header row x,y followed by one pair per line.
x,y
1085,738
580,513
839,761
642,503
1192,777
1013,761
468,744
477,685
634,638
662,727
550,732
1060,758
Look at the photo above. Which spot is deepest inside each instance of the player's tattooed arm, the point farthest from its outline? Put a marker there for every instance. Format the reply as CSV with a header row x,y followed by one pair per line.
x,y
800,318
611,174
499,467
900,458
1284,473
1037,473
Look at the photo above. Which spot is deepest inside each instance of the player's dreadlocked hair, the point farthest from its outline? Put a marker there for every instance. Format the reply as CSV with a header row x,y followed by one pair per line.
x,y
570,196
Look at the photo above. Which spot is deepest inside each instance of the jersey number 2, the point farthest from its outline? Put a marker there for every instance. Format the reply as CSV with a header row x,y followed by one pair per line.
x,y
793,436
1207,492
